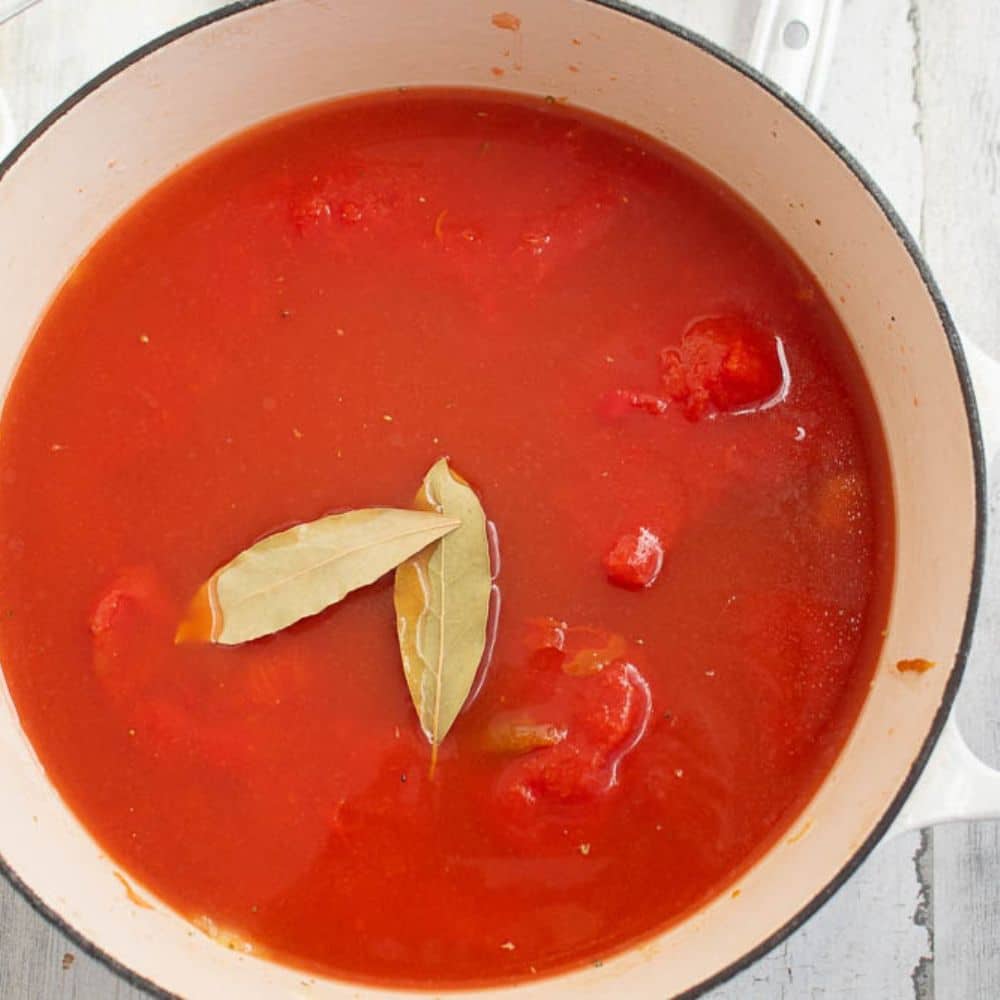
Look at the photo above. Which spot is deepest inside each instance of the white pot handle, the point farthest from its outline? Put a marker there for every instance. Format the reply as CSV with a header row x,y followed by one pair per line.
x,y
792,44
956,784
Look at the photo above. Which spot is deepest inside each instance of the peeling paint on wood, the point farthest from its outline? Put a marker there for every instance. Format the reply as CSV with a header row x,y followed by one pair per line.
x,y
922,975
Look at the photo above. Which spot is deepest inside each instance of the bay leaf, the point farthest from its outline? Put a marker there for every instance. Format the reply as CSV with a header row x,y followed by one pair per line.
x,y
299,572
442,598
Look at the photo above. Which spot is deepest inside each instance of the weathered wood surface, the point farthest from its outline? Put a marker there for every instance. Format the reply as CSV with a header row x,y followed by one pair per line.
x,y
914,92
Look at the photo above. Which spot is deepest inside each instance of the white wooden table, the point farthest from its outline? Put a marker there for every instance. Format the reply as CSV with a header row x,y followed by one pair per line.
x,y
914,92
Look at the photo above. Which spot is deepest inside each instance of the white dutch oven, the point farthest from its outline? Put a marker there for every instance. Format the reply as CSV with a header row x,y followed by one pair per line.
x,y
65,184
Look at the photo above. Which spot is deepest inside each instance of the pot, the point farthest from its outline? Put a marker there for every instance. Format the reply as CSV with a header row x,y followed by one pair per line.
x,y
96,154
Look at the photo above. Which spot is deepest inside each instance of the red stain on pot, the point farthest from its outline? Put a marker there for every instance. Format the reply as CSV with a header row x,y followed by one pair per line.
x,y
915,666
506,21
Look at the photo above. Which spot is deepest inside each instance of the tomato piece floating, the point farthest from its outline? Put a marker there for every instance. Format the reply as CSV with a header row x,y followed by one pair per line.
x,y
605,716
635,560
723,363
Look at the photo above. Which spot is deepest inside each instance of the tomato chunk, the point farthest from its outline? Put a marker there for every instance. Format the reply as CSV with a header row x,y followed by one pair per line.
x,y
723,363
546,633
581,710
635,560
604,717
128,621
136,592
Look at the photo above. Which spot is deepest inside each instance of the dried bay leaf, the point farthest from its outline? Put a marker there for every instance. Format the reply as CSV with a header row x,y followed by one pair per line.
x,y
299,572
442,598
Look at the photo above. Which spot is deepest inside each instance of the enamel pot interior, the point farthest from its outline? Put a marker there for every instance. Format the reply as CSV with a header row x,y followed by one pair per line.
x,y
90,161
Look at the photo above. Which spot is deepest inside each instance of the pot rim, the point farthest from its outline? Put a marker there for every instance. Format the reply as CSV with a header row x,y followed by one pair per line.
x,y
961,370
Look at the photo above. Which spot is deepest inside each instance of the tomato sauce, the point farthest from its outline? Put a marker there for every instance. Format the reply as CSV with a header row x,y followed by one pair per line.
x,y
662,418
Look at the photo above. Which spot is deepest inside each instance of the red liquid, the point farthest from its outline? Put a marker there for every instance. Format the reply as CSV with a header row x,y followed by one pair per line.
x,y
304,320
